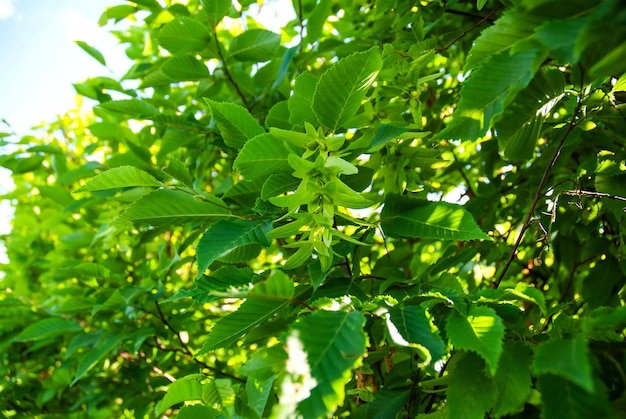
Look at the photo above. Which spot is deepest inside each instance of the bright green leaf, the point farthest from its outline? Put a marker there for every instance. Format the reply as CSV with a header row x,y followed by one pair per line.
x,y
92,51
404,216
184,35
481,332
257,45
47,328
119,177
262,156
343,86
235,123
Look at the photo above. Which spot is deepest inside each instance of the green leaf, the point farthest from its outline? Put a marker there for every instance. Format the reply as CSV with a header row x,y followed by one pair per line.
x,y
561,38
92,51
91,358
507,31
300,103
513,380
387,132
188,388
263,301
522,122
489,90
184,35
179,171
168,206
47,328
415,327
235,123
216,9
136,108
404,216
256,45
184,68
568,358
323,348
119,177
196,411
563,399
278,184
221,280
481,332
316,20
343,86
471,391
262,156
386,404
225,236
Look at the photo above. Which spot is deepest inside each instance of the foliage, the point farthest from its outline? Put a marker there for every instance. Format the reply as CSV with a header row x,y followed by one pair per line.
x,y
383,209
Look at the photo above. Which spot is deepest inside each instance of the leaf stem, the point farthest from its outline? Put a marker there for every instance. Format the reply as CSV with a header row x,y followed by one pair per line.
x,y
227,72
468,30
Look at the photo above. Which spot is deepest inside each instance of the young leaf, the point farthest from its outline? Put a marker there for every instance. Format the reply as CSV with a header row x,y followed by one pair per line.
x,y
225,236
184,35
467,371
234,122
167,206
480,332
256,45
568,358
343,86
404,216
262,156
331,343
92,51
47,328
300,103
136,108
185,389
119,177
184,68
263,301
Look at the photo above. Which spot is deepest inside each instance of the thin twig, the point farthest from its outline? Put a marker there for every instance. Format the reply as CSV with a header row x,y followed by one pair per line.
x,y
227,73
187,351
466,14
301,23
539,193
468,30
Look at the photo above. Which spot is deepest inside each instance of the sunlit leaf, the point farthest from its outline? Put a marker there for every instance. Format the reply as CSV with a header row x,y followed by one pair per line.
x,y
119,177
46,328
404,216
235,123
184,35
255,45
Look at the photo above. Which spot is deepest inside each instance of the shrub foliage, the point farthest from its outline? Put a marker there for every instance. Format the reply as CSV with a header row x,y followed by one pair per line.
x,y
383,209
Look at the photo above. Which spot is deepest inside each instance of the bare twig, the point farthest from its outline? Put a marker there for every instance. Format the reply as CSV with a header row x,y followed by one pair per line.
x,y
529,216
187,351
468,30
227,72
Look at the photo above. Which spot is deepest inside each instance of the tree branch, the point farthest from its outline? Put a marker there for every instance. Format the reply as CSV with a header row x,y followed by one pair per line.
x,y
227,72
468,30
539,193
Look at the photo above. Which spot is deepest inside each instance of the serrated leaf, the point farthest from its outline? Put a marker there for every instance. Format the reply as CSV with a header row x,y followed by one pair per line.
x,y
119,177
256,45
386,404
343,86
489,90
481,332
235,123
513,380
223,279
262,156
263,301
568,358
411,322
179,171
467,371
48,328
563,399
92,51
136,108
300,103
184,68
196,411
184,35
168,206
508,30
386,132
404,216
331,343
188,388
225,236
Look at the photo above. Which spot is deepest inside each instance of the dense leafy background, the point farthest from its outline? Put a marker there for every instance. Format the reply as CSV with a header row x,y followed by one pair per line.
x,y
387,209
